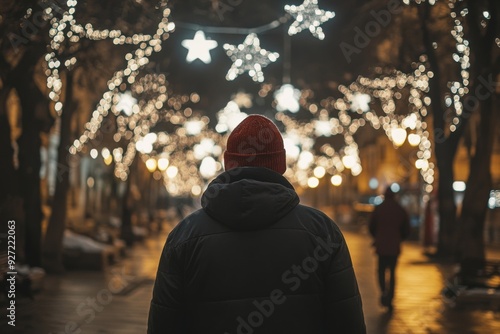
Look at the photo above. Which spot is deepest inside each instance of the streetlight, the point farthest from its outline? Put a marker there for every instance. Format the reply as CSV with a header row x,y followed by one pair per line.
x,y
151,165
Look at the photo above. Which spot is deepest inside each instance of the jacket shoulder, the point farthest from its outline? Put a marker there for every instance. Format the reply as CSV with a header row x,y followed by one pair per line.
x,y
316,222
197,224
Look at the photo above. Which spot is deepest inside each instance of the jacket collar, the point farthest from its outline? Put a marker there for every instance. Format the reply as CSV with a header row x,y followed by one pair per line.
x,y
253,173
249,198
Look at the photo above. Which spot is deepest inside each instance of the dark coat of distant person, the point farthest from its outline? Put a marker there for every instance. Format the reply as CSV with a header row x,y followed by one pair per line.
x,y
389,225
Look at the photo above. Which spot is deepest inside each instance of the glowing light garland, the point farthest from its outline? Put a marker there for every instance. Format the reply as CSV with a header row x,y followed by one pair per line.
x,y
229,117
188,157
249,57
360,102
194,156
287,98
332,117
459,89
139,117
388,90
135,61
308,16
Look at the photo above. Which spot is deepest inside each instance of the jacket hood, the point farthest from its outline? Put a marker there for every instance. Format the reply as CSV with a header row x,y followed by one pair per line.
x,y
249,198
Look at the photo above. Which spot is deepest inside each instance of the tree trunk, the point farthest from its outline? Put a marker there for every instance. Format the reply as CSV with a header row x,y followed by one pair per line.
x,y
29,172
53,242
479,184
445,146
127,207
10,199
126,232
446,203
35,115
475,204
7,170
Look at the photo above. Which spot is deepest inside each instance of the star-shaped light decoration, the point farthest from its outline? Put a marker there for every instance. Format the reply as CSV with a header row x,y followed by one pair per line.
x,y
308,16
194,127
126,103
199,48
360,102
229,117
287,98
322,128
249,57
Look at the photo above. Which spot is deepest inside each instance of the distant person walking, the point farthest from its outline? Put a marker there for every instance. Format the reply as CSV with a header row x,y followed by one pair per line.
x,y
253,260
389,225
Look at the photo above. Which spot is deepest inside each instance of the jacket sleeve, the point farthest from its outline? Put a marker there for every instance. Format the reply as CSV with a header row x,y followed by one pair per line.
x,y
344,310
166,312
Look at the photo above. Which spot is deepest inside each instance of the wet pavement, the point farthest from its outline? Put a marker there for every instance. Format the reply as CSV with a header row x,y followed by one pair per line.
x,y
117,301
418,306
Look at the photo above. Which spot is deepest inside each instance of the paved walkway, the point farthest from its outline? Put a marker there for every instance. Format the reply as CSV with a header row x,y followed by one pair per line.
x,y
91,301
418,307
114,302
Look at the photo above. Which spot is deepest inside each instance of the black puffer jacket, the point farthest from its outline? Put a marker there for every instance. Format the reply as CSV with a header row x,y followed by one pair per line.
x,y
255,261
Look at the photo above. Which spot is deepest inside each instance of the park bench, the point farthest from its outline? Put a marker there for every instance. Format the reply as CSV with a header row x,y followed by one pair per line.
x,y
28,280
476,281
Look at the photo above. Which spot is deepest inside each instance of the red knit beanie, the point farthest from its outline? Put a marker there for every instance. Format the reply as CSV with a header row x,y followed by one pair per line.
x,y
255,142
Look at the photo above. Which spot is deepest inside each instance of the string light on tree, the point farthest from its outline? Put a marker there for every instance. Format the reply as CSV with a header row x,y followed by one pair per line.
x,y
414,139
360,102
183,151
147,44
299,139
68,31
126,103
336,180
249,57
287,98
229,117
459,88
398,135
308,16
387,90
243,100
199,48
